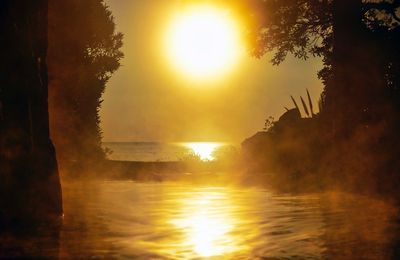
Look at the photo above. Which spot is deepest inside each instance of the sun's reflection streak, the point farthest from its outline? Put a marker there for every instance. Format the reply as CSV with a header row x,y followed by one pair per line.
x,y
207,223
205,150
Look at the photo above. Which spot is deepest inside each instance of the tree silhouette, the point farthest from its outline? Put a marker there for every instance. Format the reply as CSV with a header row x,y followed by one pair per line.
x,y
357,40
84,51
354,140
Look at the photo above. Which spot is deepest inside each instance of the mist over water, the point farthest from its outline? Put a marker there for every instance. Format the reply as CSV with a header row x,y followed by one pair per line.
x,y
276,198
123,219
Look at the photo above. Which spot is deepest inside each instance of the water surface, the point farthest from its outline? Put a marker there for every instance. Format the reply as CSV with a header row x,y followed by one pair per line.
x,y
181,221
129,220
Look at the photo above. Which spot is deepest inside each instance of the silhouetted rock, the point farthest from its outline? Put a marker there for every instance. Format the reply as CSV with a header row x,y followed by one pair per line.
x,y
29,181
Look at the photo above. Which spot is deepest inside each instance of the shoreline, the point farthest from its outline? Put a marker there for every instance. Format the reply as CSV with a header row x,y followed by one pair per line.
x,y
163,170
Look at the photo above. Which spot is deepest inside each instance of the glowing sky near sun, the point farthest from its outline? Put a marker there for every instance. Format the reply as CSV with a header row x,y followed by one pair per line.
x,y
148,99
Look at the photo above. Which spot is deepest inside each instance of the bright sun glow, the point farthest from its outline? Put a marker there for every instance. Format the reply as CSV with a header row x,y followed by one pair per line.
x,y
203,41
204,150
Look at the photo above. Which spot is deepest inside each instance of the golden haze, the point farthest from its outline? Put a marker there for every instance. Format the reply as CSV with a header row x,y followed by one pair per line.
x,y
157,103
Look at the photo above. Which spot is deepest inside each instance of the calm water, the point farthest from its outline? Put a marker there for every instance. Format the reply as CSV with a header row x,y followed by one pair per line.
x,y
153,151
128,220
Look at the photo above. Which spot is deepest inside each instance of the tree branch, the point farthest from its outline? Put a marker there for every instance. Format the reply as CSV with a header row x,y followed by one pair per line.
x,y
390,8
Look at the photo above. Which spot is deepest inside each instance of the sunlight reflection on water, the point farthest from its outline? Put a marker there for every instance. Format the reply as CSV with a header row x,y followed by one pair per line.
x,y
207,232
205,150
128,220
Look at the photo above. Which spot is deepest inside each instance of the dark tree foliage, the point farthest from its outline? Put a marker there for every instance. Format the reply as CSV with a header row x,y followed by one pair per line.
x,y
301,28
357,40
304,28
359,43
84,51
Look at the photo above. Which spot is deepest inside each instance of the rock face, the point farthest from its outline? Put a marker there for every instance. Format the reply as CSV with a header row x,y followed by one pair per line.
x,y
287,147
29,180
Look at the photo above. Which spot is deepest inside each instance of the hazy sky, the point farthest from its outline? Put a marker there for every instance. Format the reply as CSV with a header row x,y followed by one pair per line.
x,y
148,101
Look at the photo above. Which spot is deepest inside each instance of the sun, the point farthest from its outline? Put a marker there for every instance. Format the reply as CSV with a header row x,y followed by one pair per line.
x,y
203,41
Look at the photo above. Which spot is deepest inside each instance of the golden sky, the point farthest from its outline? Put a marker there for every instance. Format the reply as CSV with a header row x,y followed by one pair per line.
x,y
147,100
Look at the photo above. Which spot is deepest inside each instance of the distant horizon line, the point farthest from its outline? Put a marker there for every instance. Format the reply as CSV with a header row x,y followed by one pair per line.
x,y
154,142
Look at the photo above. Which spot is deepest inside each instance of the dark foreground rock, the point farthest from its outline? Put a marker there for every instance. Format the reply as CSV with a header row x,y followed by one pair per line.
x,y
30,188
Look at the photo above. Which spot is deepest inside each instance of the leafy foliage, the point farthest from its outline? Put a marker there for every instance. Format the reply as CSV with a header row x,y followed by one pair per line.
x,y
301,28
269,124
355,137
84,51
304,28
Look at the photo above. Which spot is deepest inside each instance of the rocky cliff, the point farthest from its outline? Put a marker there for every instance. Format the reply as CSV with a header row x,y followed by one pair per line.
x,y
29,179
